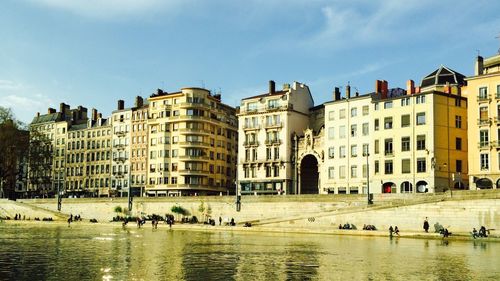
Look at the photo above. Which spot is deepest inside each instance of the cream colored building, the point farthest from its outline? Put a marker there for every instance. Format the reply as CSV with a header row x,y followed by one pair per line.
x,y
192,144
347,138
139,147
268,151
483,92
121,122
419,136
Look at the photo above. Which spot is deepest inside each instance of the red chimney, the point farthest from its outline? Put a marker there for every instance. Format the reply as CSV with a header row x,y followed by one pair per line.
x,y
410,87
385,89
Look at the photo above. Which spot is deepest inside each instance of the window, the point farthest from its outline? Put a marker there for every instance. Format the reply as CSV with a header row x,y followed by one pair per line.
x,y
268,171
483,138
376,125
421,118
387,104
485,163
458,164
405,144
388,169
420,142
354,129
376,106
365,170
405,120
388,146
331,133
342,152
354,112
497,95
342,172
458,143
354,171
483,93
331,115
388,123
483,113
331,172
342,132
458,121
366,109
405,166
342,114
421,165
365,129
365,149
405,101
268,153
457,102
354,150
331,152
276,153
420,99
377,167
272,103
377,143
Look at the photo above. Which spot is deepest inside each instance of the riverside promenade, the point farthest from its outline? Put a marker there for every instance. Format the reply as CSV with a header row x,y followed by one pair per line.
x,y
318,214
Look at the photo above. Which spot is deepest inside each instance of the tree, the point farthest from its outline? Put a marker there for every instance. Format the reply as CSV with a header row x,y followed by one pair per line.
x,y
40,162
179,210
14,142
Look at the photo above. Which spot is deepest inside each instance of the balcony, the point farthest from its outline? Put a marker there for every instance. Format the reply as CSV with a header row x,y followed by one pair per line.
x,y
389,153
277,107
248,127
250,143
193,157
484,121
193,130
495,144
193,143
120,146
483,145
483,98
119,159
274,125
497,96
193,172
273,142
121,133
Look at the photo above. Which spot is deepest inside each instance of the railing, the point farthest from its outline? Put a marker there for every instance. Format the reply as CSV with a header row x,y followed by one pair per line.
x,y
273,141
481,98
484,121
274,125
119,159
251,127
483,145
389,153
251,143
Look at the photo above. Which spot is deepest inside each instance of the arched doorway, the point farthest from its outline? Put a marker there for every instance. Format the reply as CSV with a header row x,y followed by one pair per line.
x,y
406,187
389,187
484,183
309,175
422,187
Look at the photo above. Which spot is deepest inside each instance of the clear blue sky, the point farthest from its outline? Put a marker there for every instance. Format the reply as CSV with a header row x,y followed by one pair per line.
x,y
94,52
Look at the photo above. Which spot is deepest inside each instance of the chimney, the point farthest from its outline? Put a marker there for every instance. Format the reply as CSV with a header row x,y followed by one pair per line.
x,y
139,102
94,114
99,115
62,107
348,91
357,94
378,87
479,69
51,110
74,114
121,104
272,87
159,92
385,88
38,114
336,93
410,87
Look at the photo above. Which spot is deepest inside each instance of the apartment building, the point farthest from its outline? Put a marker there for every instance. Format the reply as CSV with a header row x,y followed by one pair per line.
x,y
483,93
98,156
139,147
419,135
192,144
268,149
346,143
121,122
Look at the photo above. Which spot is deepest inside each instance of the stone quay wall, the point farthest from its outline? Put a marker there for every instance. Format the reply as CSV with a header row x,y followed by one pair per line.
x,y
460,211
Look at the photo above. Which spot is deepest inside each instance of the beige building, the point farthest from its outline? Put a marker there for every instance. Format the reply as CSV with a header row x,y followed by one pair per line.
x,y
268,152
192,144
346,143
139,147
419,136
483,92
120,164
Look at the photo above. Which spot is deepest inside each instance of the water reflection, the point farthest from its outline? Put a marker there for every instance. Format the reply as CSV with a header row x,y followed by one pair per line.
x,y
39,252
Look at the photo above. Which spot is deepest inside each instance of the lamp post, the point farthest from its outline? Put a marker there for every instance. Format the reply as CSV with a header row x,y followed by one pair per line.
x,y
370,201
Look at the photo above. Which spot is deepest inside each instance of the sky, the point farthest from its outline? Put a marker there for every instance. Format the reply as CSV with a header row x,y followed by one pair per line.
x,y
95,52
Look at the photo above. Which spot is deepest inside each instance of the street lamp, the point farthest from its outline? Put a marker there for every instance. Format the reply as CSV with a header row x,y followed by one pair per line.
x,y
369,198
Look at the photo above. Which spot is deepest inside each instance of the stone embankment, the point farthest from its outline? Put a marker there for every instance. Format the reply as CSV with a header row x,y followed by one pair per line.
x,y
459,212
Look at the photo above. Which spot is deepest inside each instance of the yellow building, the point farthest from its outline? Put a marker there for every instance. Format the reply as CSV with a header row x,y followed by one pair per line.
x,y
139,147
192,144
483,91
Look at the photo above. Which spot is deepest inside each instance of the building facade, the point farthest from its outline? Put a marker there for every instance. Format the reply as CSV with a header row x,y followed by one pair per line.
x,y
267,126
483,92
139,147
192,144
121,122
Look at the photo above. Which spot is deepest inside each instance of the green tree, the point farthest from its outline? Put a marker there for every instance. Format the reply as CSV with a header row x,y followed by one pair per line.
x,y
40,162
14,142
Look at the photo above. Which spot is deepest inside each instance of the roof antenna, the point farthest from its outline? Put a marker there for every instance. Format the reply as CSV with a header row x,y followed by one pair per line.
x,y
498,37
477,52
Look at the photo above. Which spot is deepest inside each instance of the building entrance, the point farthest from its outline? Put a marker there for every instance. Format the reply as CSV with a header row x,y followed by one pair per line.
x,y
309,175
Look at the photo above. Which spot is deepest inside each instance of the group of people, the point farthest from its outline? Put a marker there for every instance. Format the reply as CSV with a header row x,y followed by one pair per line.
x,y
18,217
394,230
75,218
483,232
347,226
369,227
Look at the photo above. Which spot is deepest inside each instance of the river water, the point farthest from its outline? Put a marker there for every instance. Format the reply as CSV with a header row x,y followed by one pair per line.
x,y
82,252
